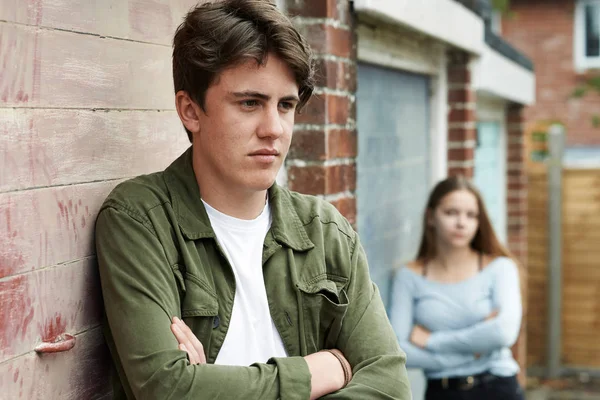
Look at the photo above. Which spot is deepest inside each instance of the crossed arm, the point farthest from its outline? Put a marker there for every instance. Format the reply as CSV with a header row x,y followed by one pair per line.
x,y
141,297
501,330
452,348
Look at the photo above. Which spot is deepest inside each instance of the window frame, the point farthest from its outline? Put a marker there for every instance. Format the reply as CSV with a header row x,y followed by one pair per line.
x,y
583,62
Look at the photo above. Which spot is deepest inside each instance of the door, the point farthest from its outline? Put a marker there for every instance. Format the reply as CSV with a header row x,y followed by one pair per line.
x,y
393,166
490,173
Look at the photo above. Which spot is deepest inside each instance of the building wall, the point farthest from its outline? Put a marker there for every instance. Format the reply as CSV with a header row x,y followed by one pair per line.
x,y
322,159
86,100
544,30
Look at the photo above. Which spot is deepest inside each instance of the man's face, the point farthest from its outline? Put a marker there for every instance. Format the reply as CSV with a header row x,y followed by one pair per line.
x,y
245,130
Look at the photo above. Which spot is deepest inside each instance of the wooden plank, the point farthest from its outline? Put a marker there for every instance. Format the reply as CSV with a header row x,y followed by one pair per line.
x,y
82,373
56,69
45,227
58,147
142,20
39,306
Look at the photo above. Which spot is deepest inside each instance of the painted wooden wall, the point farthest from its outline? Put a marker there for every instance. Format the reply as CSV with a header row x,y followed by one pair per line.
x,y
86,100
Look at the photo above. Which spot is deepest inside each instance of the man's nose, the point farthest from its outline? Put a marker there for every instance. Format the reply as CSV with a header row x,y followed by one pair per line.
x,y
271,124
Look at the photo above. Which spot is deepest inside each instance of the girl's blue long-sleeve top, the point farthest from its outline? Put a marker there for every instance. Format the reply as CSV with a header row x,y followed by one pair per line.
x,y
455,315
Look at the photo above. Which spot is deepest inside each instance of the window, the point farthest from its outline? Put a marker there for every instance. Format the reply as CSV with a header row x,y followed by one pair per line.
x,y
587,34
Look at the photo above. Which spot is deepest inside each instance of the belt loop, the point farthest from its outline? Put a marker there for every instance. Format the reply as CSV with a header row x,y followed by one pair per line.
x,y
445,383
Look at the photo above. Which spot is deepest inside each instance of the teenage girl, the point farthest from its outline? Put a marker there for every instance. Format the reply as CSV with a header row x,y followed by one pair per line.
x,y
457,308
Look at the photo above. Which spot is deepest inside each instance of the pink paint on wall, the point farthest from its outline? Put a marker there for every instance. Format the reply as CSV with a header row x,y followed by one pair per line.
x,y
42,305
150,18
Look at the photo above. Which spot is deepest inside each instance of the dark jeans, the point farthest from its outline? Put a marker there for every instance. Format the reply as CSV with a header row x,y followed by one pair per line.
x,y
501,388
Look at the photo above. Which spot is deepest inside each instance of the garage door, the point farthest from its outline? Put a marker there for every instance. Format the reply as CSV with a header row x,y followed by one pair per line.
x,y
393,166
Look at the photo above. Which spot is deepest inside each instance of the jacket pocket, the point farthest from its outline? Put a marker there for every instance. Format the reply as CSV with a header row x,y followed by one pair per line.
x,y
199,308
324,305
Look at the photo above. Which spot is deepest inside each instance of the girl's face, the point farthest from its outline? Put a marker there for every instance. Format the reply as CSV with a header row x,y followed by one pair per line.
x,y
456,219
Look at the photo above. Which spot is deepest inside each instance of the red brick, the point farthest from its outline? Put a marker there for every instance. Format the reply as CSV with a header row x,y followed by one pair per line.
x,y
516,186
308,145
326,39
461,96
347,207
340,178
535,31
461,134
321,179
332,9
461,154
336,75
461,115
314,111
307,180
459,75
340,110
341,143
326,109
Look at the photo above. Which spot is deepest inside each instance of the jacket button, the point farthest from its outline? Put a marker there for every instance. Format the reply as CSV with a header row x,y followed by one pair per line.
x,y
216,322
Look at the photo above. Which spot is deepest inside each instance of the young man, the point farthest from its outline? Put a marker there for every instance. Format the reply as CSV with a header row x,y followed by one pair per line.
x,y
264,279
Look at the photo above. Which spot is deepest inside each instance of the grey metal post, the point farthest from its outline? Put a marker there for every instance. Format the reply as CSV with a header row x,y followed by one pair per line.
x,y
556,140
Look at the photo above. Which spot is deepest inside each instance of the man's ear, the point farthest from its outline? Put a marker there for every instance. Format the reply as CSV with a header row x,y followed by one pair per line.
x,y
188,111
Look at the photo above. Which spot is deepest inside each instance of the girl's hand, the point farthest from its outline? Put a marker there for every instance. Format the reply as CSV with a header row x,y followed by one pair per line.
x,y
419,336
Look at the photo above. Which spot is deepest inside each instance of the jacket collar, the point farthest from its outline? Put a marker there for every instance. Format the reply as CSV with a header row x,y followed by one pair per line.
x,y
286,226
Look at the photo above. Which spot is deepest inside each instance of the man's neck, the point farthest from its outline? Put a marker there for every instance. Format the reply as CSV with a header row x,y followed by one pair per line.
x,y
242,204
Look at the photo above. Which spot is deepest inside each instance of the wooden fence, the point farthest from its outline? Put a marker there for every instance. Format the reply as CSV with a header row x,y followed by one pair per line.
x,y
580,321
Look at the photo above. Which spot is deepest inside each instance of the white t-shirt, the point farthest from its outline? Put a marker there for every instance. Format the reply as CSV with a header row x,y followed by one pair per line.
x,y
252,336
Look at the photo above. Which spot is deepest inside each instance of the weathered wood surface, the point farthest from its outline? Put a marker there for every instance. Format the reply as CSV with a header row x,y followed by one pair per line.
x,y
537,265
86,100
41,148
45,227
42,305
581,267
151,21
55,69
79,374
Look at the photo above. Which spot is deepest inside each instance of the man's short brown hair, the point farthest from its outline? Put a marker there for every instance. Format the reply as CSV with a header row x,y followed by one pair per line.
x,y
221,34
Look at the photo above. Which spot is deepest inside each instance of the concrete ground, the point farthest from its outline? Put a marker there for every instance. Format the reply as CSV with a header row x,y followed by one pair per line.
x,y
574,388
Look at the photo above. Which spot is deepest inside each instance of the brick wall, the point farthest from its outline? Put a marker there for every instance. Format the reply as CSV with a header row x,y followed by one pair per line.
x,y
462,128
544,31
517,212
322,159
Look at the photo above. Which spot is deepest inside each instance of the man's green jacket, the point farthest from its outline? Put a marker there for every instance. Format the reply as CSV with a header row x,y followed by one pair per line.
x,y
159,258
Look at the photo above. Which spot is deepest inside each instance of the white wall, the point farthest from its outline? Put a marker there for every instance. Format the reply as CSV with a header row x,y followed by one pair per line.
x,y
443,20
501,77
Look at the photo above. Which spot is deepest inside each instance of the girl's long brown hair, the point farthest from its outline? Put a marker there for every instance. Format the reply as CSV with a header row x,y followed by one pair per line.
x,y
485,241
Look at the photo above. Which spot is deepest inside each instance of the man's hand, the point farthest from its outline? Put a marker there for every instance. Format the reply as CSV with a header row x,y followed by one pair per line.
x,y
326,370
419,336
188,342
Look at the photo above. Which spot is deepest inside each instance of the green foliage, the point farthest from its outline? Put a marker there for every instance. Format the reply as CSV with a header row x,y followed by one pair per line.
x,y
502,6
590,85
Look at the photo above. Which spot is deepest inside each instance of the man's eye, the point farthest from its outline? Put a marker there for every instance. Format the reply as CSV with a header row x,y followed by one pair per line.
x,y
249,103
286,105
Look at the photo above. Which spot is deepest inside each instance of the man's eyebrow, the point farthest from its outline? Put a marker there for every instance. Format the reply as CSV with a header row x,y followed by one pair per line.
x,y
259,95
250,93
290,98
